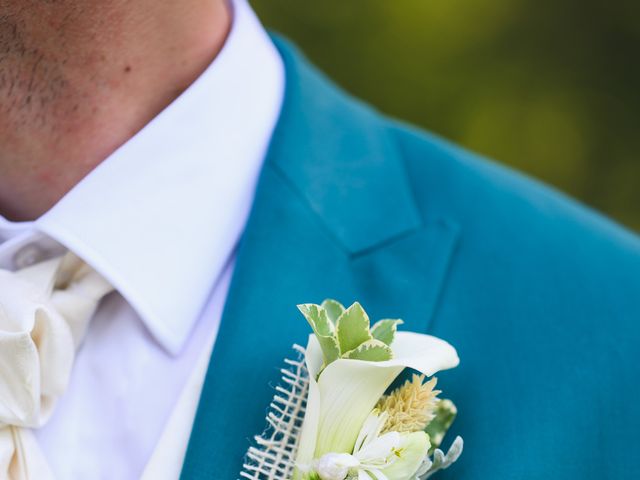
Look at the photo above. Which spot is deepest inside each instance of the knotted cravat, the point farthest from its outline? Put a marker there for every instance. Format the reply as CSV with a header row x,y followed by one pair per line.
x,y
44,312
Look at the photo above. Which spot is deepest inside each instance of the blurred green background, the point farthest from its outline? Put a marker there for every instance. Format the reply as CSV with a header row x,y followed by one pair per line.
x,y
548,87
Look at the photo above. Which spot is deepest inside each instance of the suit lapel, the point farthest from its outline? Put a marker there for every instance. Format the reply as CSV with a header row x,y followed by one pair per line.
x,y
333,217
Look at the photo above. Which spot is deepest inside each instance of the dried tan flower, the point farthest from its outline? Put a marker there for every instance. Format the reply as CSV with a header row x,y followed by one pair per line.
x,y
411,406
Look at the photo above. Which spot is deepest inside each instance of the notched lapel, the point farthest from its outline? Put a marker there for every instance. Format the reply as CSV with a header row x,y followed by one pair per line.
x,y
345,164
404,278
331,218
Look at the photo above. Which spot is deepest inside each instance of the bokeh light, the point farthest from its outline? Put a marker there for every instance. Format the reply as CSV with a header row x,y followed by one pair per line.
x,y
550,88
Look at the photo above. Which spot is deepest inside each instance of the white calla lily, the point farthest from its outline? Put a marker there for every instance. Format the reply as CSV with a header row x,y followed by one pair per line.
x,y
345,393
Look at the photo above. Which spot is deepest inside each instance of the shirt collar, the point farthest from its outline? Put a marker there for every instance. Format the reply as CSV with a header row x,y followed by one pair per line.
x,y
161,216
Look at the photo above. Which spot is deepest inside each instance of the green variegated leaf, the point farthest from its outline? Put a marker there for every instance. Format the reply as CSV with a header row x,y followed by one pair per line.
x,y
330,349
370,351
317,318
445,413
352,328
324,330
333,308
385,330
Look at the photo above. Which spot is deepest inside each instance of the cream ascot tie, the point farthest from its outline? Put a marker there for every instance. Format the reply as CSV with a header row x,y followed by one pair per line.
x,y
44,312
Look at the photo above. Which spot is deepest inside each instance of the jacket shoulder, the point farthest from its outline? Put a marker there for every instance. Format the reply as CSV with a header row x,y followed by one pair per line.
x,y
511,207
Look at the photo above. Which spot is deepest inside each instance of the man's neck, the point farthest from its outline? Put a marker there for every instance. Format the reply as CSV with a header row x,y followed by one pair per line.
x,y
78,79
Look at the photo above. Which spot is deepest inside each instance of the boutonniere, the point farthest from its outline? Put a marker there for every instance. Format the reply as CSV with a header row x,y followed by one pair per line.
x,y
336,416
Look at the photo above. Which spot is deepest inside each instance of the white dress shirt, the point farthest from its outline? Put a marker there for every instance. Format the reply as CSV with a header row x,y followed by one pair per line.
x,y
160,219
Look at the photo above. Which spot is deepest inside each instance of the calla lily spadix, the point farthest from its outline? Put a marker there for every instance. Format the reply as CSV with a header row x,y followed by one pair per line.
x,y
344,393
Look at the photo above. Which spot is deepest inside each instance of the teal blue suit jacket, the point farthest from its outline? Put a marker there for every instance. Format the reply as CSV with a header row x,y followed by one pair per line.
x,y
540,296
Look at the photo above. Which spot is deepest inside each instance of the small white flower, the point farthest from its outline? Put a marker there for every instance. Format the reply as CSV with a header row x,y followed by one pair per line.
x,y
391,456
335,466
